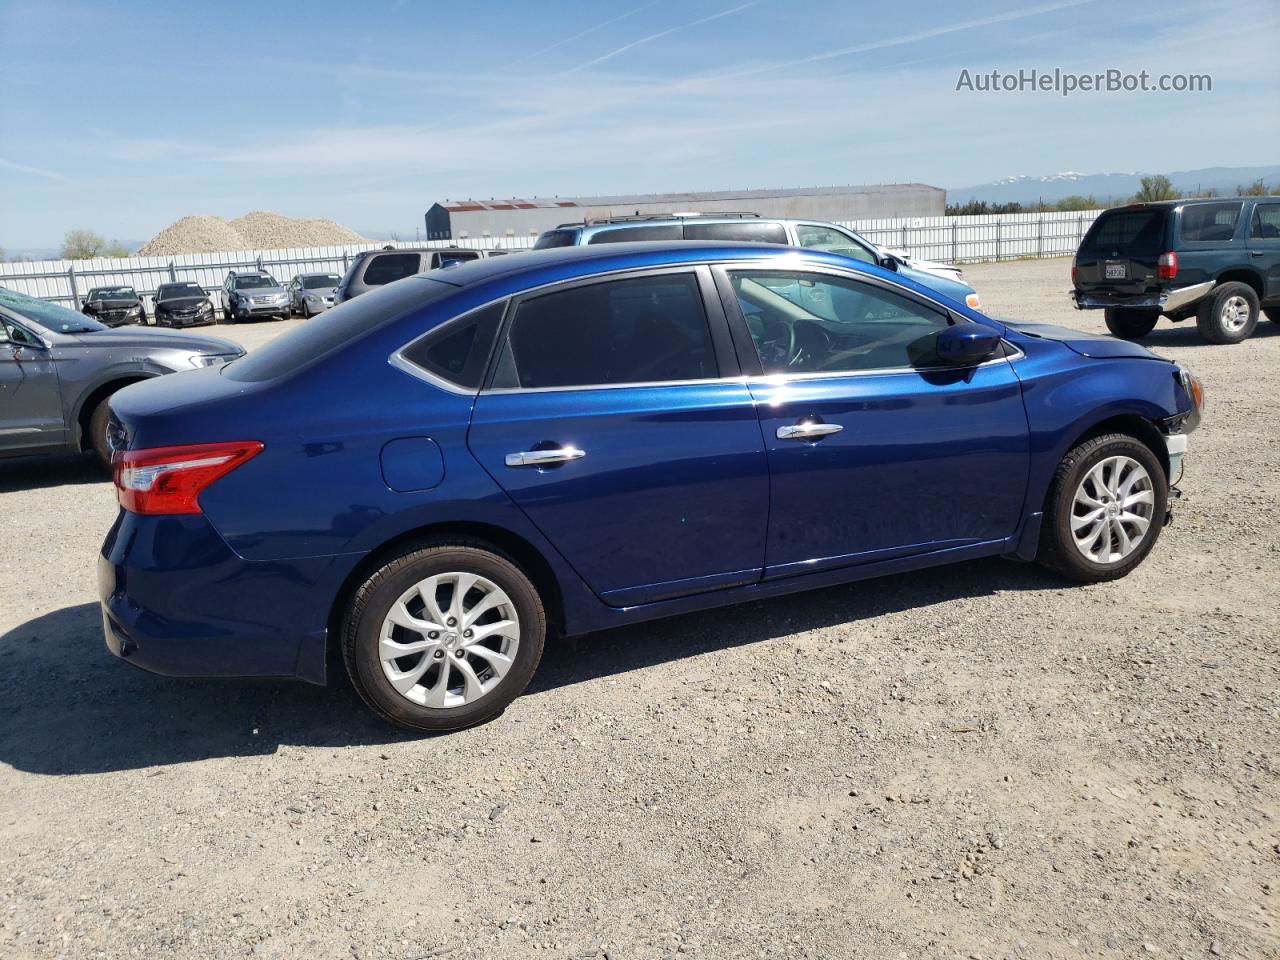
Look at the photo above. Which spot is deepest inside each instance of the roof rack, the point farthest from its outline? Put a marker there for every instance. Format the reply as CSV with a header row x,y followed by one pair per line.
x,y
675,215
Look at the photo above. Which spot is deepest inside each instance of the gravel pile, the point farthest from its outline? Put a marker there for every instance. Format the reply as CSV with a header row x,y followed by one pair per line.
x,y
200,233
259,230
971,761
262,229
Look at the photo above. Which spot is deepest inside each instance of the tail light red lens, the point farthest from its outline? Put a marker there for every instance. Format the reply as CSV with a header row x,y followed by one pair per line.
x,y
1075,273
169,480
1167,265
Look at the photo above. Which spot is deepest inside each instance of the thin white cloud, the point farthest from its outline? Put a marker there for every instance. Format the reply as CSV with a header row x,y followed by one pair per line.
x,y
34,171
581,34
659,35
905,39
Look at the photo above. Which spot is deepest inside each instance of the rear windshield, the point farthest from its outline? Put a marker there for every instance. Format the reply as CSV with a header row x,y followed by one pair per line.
x,y
1207,222
554,238
390,267
1127,231
346,323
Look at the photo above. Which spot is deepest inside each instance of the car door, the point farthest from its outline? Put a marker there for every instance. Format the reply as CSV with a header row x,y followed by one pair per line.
x,y
875,450
616,419
30,397
1264,247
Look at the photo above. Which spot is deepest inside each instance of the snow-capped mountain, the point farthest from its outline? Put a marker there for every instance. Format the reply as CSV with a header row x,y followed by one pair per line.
x,y
1107,186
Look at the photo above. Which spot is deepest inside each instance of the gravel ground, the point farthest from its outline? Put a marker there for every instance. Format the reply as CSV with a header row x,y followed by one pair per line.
x,y
974,761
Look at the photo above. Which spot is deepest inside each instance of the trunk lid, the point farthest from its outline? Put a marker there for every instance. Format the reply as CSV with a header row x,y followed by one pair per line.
x,y
1119,253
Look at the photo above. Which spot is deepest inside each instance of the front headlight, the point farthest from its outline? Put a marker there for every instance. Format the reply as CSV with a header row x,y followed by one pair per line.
x,y
205,307
212,359
137,308
1194,387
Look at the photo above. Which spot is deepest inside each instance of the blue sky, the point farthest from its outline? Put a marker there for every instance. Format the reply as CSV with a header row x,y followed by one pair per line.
x,y
123,116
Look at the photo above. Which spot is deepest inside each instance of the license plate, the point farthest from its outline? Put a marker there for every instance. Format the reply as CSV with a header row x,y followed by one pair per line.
x,y
1115,271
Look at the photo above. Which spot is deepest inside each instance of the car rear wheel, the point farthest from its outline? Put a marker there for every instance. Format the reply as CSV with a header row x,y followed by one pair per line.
x,y
1106,506
98,431
444,636
1130,324
1229,314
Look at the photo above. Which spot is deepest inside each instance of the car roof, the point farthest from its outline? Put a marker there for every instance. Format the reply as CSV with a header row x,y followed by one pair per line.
x,y
558,263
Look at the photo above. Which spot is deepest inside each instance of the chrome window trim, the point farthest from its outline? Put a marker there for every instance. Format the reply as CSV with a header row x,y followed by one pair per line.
x,y
397,360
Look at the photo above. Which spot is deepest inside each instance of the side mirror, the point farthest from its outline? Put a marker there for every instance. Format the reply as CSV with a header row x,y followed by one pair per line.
x,y
964,344
888,262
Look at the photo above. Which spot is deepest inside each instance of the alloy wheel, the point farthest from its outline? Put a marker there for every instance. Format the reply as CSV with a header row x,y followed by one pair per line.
x,y
449,640
1112,510
1235,313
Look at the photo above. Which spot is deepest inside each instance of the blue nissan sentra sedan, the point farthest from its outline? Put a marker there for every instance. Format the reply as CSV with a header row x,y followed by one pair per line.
x,y
434,476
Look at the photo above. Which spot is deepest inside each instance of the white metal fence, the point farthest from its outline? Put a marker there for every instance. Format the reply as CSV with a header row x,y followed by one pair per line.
x,y
951,239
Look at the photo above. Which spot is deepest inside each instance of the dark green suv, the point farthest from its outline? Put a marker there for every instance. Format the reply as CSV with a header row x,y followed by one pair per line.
x,y
1216,260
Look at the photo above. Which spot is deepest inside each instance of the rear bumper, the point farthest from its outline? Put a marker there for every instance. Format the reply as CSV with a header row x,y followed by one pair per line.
x,y
1165,300
176,600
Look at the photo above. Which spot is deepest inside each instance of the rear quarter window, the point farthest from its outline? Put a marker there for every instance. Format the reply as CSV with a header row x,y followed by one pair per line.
x,y
1210,222
334,329
555,238
1127,231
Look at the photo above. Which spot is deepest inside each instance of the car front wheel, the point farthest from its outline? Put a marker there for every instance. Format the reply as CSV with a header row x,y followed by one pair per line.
x,y
1106,506
98,431
1130,324
444,636
1229,314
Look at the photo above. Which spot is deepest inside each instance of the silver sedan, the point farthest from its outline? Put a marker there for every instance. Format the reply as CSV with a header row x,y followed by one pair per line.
x,y
312,293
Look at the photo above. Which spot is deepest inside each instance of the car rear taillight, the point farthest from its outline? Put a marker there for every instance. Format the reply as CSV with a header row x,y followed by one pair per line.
x,y
169,480
1167,265
1075,273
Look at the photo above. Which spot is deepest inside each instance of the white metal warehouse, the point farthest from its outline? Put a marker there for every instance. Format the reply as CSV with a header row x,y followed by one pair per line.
x,y
471,219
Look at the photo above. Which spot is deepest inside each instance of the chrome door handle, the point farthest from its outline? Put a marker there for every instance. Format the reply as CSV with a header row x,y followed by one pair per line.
x,y
808,431
538,458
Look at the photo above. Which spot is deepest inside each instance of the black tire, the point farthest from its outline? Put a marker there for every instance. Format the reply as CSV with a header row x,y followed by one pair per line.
x,y
1130,324
1058,550
98,432
1212,316
384,588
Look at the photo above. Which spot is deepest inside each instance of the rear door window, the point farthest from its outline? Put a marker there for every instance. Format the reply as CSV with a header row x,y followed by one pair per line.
x,y
1127,231
635,330
670,231
749,231
390,267
1266,222
1210,222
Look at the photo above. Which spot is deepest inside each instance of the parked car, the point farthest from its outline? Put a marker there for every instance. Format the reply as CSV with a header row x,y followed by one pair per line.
x,y
751,228
1215,260
182,305
114,306
597,436
58,369
376,268
247,294
312,293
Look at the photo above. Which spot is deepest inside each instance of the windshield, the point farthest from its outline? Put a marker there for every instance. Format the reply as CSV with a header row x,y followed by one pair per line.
x,y
171,291
255,282
112,293
48,315
320,282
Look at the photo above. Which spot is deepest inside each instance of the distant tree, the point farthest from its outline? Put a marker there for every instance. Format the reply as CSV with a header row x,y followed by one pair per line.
x,y
85,245
1157,187
1077,202
1256,189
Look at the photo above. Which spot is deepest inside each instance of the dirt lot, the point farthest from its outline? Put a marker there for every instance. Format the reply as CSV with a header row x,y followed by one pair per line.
x,y
975,761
